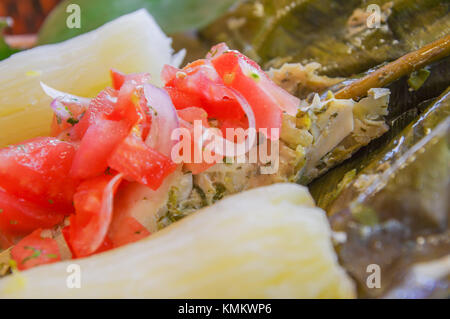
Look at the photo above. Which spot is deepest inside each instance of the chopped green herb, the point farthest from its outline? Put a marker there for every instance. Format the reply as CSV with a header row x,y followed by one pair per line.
x,y
53,256
255,76
51,201
72,121
1,210
36,254
13,222
418,78
220,191
67,109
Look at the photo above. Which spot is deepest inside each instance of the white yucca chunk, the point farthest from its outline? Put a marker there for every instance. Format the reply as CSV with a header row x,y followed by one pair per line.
x,y
131,43
269,242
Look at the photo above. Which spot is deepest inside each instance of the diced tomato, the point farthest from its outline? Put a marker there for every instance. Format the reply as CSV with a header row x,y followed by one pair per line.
x,y
129,106
6,240
94,207
19,216
243,77
57,127
118,78
100,107
169,73
218,50
232,124
139,162
97,145
34,250
221,103
199,85
106,245
38,170
286,101
74,110
66,234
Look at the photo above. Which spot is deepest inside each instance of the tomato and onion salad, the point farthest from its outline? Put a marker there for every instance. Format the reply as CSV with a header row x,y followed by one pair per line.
x,y
69,180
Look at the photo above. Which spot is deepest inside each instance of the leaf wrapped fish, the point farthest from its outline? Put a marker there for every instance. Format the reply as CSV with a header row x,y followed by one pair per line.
x,y
340,35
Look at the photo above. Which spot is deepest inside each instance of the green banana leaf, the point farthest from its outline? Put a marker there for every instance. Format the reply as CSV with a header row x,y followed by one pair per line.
x,y
331,32
404,107
172,15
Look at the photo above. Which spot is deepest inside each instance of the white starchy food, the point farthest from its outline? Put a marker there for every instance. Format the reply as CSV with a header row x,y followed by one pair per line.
x,y
269,242
80,66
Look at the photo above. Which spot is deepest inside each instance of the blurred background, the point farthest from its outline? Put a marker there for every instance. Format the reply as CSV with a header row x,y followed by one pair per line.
x,y
28,15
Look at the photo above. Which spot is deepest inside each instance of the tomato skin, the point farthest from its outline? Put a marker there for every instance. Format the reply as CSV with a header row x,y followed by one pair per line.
x,y
6,240
107,122
188,117
201,86
191,114
117,78
139,162
182,99
129,104
100,108
126,230
169,73
20,217
34,250
57,128
38,170
94,207
266,109
284,99
97,145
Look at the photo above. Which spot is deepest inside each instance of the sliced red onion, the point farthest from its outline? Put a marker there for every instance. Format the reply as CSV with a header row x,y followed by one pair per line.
x,y
66,105
212,140
168,73
64,97
60,110
164,119
287,102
